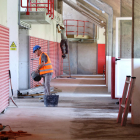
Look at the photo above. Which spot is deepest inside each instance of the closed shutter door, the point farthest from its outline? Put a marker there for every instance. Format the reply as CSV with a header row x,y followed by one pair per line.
x,y
60,61
54,52
43,48
34,60
56,59
4,67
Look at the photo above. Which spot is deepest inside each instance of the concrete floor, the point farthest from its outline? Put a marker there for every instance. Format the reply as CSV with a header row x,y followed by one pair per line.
x,y
85,112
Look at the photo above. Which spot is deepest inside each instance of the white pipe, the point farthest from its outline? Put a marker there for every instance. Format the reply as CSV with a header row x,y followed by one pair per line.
x,y
91,4
91,18
88,8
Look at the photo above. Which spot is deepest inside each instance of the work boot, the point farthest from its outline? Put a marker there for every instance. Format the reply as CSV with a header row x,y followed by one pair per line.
x,y
45,100
63,56
41,99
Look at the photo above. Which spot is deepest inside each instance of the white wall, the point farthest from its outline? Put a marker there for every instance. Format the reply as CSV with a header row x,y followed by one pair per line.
x,y
100,35
12,24
47,31
3,12
70,13
24,3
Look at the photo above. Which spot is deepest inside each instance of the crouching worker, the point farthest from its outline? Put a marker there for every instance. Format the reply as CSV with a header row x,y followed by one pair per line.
x,y
44,69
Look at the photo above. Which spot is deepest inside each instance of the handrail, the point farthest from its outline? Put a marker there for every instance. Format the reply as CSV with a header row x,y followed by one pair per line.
x,y
77,25
49,7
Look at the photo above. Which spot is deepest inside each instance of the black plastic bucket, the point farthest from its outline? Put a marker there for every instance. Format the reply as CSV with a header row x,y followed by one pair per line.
x,y
35,76
52,100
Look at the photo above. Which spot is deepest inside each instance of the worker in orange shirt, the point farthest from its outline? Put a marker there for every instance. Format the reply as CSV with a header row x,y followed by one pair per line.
x,y
44,69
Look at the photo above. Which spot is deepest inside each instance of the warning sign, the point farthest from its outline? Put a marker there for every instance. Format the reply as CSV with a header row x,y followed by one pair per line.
x,y
13,46
13,49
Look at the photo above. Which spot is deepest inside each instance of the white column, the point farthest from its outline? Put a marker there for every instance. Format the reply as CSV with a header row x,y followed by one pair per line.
x,y
3,12
109,73
136,94
12,24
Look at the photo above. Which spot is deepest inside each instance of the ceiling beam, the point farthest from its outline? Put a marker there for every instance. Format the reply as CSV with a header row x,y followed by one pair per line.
x,y
79,9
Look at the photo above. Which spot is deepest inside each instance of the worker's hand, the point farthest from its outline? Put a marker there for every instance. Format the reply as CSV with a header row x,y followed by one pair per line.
x,y
36,71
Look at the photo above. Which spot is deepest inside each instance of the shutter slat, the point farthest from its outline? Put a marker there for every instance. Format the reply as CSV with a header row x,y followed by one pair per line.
x,y
4,67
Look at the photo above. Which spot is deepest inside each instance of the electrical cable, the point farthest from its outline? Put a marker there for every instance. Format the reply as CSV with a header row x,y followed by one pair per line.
x,y
9,127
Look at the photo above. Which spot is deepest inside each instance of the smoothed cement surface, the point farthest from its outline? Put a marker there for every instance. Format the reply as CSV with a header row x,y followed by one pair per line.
x,y
83,113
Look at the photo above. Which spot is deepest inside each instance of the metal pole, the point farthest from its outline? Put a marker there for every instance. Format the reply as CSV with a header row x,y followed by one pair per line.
x,y
36,5
69,60
132,55
53,8
84,29
66,27
48,7
27,13
77,27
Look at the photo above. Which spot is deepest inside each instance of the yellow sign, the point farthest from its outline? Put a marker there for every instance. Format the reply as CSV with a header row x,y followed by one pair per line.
x,y
13,49
13,45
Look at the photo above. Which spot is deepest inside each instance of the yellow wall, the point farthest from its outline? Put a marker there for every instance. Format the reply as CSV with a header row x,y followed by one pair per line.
x,y
3,12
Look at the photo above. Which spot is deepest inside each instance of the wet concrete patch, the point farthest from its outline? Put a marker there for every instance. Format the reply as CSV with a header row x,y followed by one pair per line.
x,y
103,129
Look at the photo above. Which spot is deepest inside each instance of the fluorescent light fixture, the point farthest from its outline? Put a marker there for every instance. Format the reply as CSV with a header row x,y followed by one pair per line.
x,y
91,4
87,8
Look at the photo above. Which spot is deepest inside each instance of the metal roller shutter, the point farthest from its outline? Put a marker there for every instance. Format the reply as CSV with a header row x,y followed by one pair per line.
x,y
54,52
56,59
60,61
34,60
52,56
4,67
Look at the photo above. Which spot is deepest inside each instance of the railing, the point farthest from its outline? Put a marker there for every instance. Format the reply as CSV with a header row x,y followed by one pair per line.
x,y
34,4
78,25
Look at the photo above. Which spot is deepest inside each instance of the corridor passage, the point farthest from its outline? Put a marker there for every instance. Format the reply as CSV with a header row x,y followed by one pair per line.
x,y
85,112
